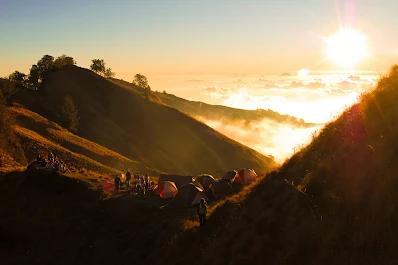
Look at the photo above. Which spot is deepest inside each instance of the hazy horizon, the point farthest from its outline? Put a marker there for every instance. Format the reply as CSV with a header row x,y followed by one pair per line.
x,y
227,53
316,98
192,37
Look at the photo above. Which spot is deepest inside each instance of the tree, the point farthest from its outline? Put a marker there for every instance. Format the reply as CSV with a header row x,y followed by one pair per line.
x,y
142,82
39,70
98,66
70,114
18,78
45,64
63,61
34,78
109,73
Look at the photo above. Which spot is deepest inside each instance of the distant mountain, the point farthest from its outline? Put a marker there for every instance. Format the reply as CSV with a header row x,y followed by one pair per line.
x,y
120,118
285,74
218,112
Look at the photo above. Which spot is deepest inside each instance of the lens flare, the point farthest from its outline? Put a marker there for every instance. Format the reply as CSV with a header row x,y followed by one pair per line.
x,y
346,48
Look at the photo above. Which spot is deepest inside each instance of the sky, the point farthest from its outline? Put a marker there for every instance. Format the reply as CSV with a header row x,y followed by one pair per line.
x,y
226,52
193,37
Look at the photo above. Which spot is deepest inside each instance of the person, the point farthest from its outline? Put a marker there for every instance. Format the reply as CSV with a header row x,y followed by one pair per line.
x,y
64,167
43,163
202,211
147,182
141,185
117,183
56,165
128,178
39,158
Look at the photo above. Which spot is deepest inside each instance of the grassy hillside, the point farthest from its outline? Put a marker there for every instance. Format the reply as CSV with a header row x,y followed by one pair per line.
x,y
217,112
121,119
334,202
39,135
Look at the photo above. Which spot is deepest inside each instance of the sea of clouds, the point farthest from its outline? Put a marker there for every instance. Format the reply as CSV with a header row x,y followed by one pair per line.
x,y
316,98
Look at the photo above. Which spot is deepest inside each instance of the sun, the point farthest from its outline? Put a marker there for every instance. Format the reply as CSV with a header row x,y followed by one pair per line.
x,y
346,48
302,73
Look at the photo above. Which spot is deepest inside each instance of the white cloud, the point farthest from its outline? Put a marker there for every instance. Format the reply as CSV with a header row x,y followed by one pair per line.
x,y
266,136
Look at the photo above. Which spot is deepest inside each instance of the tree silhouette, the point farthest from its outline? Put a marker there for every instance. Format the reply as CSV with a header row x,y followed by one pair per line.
x,y
64,60
45,64
109,73
142,82
70,114
34,78
18,78
98,66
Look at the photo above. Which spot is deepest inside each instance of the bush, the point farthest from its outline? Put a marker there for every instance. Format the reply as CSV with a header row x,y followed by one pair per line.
x,y
63,61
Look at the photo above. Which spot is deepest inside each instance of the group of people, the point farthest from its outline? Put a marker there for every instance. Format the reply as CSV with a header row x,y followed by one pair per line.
x,y
142,183
53,162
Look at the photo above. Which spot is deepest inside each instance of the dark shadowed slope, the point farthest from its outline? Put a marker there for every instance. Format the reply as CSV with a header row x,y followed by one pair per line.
x,y
144,130
334,202
52,219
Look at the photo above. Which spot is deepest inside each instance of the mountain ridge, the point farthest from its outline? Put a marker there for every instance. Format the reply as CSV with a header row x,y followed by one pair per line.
x,y
142,129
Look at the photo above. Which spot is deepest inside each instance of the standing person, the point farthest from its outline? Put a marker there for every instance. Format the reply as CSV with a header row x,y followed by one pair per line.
x,y
142,185
202,211
128,178
117,183
39,158
147,182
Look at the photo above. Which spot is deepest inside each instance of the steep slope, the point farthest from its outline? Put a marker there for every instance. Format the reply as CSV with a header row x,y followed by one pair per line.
x,y
334,202
144,130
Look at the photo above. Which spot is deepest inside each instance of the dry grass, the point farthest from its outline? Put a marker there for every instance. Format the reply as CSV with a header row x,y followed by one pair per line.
x,y
45,136
115,115
43,145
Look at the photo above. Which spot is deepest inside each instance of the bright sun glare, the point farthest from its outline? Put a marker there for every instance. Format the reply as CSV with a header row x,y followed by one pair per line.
x,y
303,73
346,48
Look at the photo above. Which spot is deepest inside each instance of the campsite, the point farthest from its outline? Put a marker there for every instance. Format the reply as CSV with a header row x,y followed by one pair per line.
x,y
210,132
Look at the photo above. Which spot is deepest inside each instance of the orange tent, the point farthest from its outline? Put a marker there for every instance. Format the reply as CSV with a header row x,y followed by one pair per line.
x,y
245,176
166,189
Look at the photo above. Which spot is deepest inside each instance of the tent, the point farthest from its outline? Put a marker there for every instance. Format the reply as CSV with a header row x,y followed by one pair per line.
x,y
188,194
245,176
204,181
166,189
222,188
230,175
177,179
108,186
